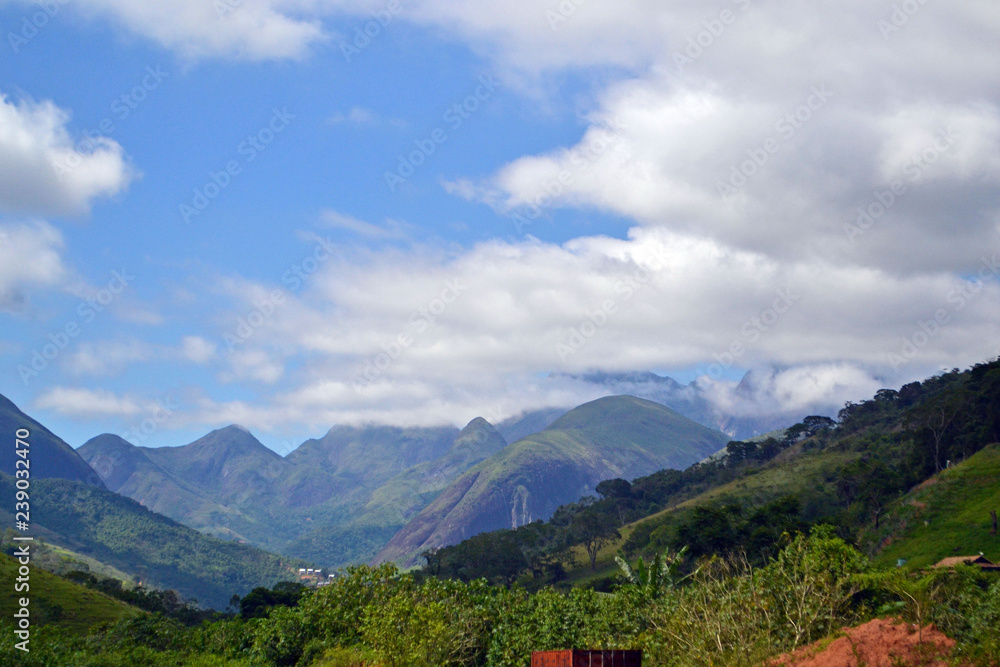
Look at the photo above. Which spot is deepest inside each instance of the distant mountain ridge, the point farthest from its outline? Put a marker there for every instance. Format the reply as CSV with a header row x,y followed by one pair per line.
x,y
334,500
344,497
619,436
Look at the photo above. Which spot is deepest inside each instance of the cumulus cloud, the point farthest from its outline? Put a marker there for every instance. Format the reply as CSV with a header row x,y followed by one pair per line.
x,y
43,170
32,258
424,337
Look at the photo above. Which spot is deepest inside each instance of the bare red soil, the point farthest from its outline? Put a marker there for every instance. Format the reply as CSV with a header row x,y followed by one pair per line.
x,y
878,643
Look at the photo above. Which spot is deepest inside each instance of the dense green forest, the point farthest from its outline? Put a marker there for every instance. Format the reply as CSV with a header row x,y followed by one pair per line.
x,y
765,548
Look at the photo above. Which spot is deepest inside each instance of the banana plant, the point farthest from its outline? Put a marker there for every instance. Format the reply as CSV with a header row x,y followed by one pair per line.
x,y
653,578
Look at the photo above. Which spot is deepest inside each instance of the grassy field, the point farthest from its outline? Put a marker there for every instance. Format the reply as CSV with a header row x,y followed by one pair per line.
x,y
948,515
55,600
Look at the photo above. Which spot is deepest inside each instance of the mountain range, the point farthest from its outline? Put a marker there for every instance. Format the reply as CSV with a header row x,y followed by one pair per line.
x,y
375,492
613,437
385,493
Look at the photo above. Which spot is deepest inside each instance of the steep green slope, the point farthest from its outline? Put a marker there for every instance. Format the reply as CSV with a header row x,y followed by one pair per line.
x,y
619,436
162,553
947,515
56,601
224,484
50,456
407,493
370,456
392,504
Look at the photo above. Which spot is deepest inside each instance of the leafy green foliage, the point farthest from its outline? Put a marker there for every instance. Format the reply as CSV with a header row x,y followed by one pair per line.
x,y
258,602
726,612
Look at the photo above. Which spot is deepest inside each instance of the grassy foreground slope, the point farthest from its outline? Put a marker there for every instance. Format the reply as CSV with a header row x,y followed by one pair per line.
x,y
947,515
55,600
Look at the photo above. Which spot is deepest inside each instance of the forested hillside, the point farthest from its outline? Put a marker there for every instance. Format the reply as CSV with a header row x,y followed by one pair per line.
x,y
848,473
160,552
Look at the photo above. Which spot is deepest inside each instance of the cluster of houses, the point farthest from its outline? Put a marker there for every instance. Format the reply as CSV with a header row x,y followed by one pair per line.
x,y
315,577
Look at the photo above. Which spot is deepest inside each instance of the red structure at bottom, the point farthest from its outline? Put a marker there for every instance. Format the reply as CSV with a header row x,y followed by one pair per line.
x,y
586,659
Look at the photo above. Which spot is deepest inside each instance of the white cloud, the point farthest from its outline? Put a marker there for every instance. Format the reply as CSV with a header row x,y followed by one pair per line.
x,y
107,358
417,337
90,403
112,357
197,350
252,365
31,257
241,29
518,32
813,388
392,229
43,170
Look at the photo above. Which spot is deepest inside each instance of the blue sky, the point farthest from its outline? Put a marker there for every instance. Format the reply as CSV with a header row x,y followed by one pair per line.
x,y
695,189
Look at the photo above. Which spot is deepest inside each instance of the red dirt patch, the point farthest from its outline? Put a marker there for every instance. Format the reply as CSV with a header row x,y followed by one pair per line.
x,y
878,643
